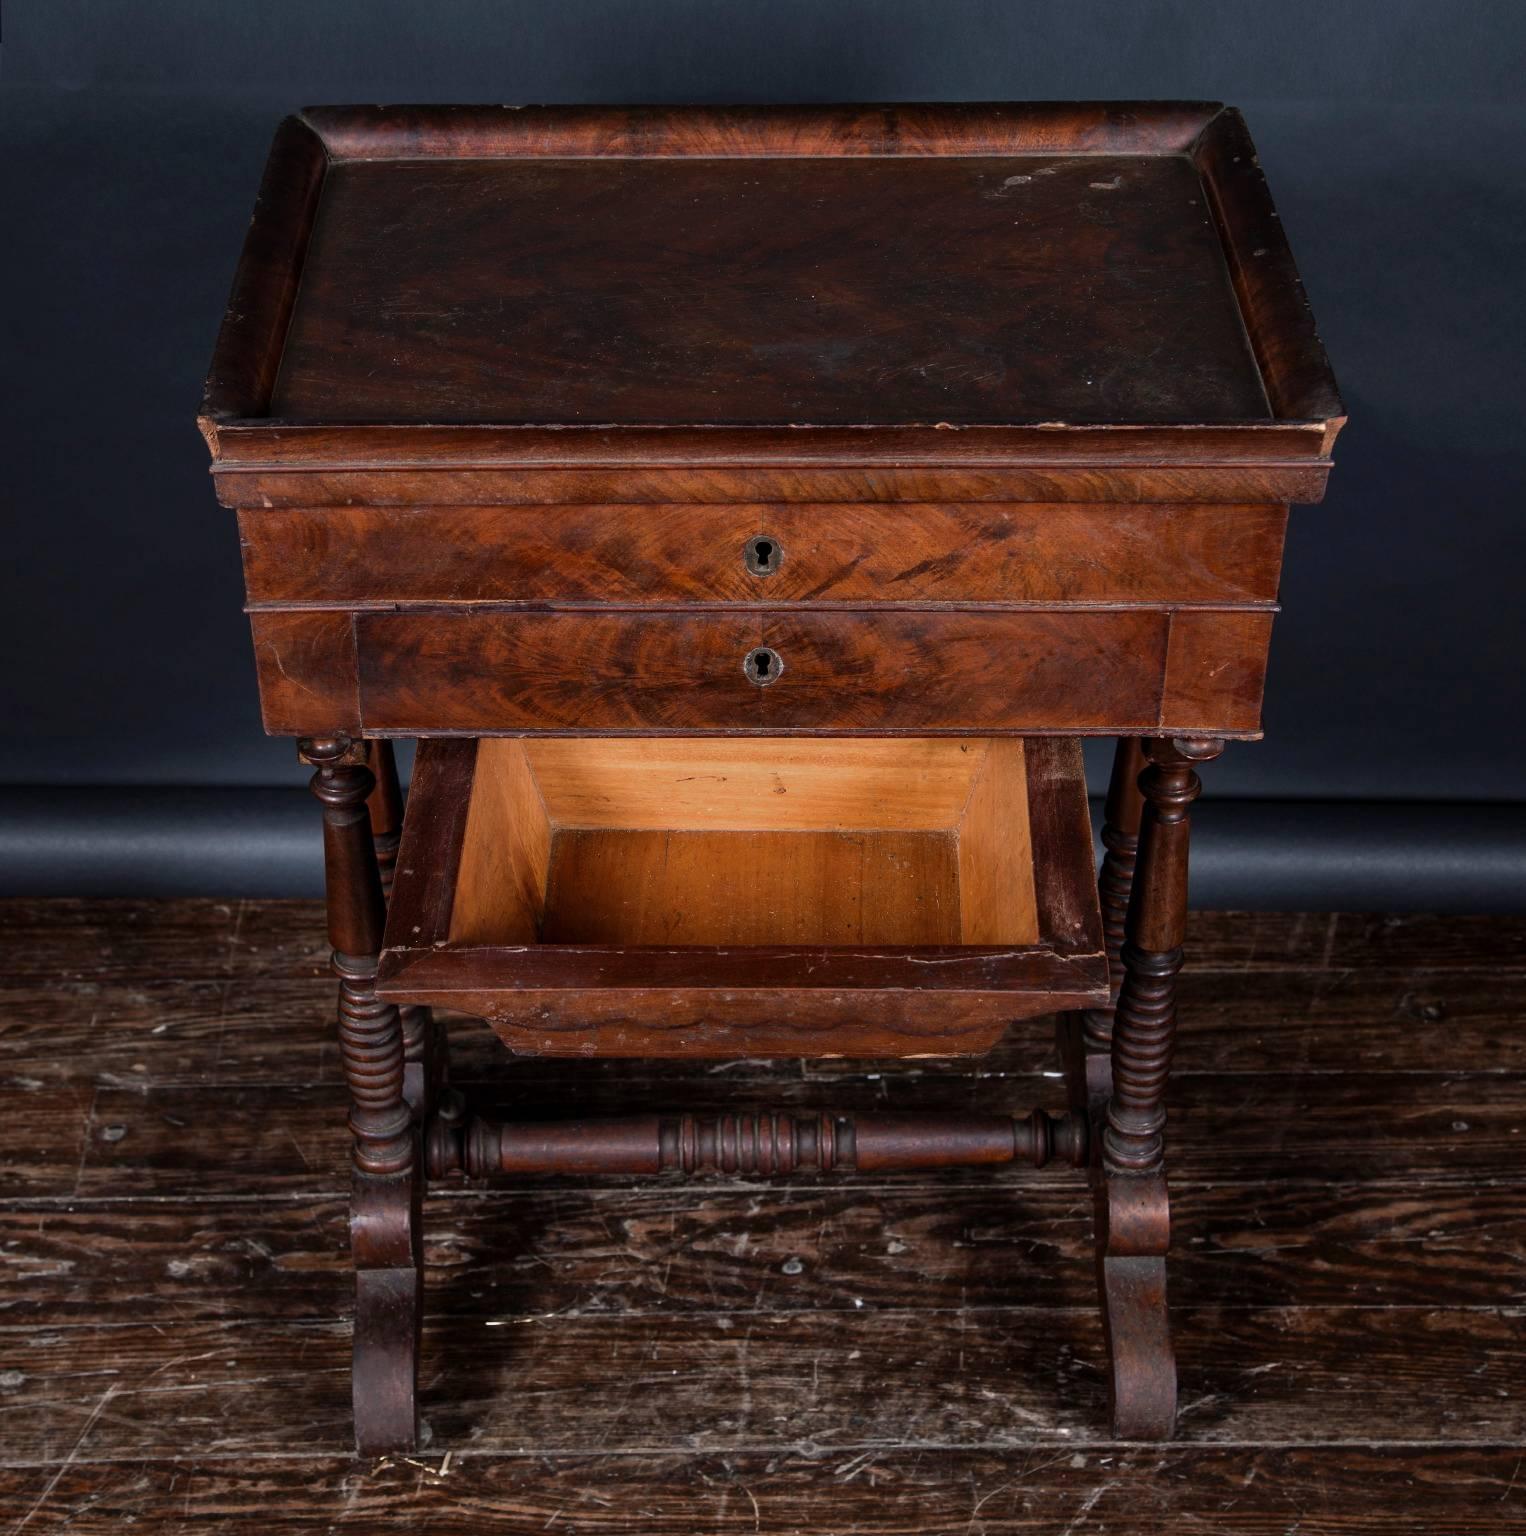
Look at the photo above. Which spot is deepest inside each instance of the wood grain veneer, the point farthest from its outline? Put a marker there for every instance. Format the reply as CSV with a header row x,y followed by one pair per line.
x,y
1036,553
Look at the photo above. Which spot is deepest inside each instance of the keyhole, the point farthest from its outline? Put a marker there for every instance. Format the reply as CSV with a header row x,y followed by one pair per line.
x,y
762,666
762,555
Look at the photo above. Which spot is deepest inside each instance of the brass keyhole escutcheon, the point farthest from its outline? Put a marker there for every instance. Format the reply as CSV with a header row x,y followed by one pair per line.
x,y
762,666
762,555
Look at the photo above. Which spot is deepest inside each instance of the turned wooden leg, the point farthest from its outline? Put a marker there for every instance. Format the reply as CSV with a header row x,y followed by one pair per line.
x,y
423,1044
1133,1211
385,1188
1091,1055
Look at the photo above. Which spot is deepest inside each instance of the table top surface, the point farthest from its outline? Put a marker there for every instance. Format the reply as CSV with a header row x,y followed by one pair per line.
x,y
907,269
831,291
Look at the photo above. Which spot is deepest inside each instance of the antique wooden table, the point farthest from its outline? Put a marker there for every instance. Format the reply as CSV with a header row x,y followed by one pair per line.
x,y
748,510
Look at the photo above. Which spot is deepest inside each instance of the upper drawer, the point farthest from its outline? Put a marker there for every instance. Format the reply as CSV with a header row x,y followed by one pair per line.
x,y
775,554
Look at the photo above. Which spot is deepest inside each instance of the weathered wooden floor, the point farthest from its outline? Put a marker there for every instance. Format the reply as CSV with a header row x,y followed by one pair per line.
x,y
913,1354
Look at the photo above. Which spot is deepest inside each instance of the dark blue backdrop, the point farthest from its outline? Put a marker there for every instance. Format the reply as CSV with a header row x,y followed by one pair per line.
x,y
1392,133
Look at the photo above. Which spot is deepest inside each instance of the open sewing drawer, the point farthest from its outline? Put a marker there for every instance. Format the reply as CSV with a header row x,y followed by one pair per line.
x,y
746,897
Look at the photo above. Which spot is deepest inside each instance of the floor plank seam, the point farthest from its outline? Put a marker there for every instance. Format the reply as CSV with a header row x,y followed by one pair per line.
x,y
1424,1181
810,1451
689,1316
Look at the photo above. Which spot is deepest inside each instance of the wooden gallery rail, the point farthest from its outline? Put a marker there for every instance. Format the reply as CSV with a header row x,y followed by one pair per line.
x,y
748,510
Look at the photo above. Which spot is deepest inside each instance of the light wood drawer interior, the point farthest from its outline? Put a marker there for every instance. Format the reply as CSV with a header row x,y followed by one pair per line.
x,y
681,896
773,842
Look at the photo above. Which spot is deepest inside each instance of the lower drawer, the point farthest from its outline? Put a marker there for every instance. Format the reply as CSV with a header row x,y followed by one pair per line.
x,y
504,671
683,897
501,672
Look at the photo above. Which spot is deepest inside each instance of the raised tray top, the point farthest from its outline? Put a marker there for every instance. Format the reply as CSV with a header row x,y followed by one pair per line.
x,y
1000,267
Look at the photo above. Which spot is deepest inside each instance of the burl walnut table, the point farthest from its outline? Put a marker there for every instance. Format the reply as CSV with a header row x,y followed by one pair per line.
x,y
748,510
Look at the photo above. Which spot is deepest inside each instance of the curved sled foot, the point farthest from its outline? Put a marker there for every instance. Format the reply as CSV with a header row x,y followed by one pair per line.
x,y
384,1226
1133,1227
1141,1364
